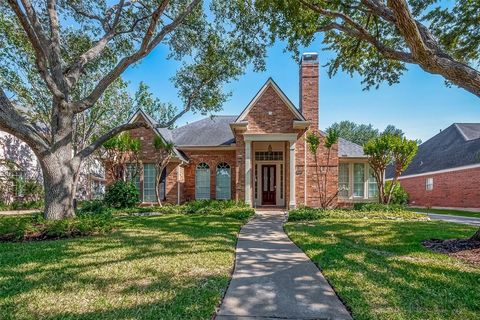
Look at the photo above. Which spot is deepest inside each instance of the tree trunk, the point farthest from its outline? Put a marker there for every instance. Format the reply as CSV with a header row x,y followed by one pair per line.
x,y
58,181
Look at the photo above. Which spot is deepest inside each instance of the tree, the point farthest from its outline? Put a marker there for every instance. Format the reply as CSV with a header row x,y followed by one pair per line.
x,y
53,48
313,142
378,38
163,154
385,150
357,133
122,151
160,112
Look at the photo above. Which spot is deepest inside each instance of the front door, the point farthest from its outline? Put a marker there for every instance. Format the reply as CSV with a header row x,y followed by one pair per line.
x,y
269,184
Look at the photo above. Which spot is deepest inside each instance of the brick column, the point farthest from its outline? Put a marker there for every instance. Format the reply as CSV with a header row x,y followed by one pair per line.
x,y
248,172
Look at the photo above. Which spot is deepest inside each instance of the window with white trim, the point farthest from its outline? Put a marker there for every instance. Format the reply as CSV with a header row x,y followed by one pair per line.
x,y
429,184
372,184
202,182
149,183
223,182
358,180
343,180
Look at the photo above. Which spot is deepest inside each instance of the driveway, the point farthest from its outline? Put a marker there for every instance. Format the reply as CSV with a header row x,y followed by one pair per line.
x,y
274,279
455,219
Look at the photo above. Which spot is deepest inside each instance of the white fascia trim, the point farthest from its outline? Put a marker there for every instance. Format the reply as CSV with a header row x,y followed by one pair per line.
x,y
471,166
300,124
270,137
186,147
285,99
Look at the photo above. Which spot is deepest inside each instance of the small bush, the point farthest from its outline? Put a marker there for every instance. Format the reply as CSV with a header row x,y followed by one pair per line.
x,y
93,206
37,228
121,195
399,195
303,214
372,207
229,208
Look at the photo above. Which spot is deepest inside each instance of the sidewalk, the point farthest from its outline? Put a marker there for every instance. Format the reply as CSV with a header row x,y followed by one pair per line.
x,y
274,279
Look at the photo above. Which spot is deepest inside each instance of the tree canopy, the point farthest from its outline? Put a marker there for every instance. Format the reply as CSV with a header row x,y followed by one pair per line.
x,y
376,39
362,133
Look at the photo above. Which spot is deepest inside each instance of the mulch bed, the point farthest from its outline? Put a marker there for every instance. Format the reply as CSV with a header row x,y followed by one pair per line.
x,y
464,249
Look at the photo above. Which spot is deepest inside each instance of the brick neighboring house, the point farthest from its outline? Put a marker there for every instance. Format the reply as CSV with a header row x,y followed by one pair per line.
x,y
445,173
258,156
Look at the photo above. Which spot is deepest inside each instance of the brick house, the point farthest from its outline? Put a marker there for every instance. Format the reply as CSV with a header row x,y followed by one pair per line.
x,y
445,172
258,156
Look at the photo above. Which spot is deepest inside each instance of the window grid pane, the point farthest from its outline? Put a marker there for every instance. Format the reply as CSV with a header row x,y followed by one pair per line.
x,y
223,182
343,180
358,180
202,182
269,155
281,181
149,183
372,184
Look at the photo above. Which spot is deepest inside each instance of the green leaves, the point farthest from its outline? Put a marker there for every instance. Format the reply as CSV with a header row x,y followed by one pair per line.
x,y
123,142
313,142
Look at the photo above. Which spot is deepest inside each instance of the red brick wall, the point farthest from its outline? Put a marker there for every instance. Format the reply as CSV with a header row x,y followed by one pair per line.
x,y
450,189
212,158
280,120
309,92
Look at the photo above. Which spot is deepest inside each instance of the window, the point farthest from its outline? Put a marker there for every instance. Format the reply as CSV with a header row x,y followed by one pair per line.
x,y
202,182
223,185
358,180
343,180
149,183
372,184
163,183
268,155
134,176
429,184
256,181
281,180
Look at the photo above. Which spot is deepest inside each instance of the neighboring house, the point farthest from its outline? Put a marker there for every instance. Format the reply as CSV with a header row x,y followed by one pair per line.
x,y
258,156
446,170
19,164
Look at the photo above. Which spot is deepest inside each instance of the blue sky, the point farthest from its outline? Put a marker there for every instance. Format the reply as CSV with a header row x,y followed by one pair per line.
x,y
420,105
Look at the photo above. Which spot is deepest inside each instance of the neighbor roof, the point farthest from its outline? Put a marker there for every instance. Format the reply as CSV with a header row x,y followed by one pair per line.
x,y
349,149
456,146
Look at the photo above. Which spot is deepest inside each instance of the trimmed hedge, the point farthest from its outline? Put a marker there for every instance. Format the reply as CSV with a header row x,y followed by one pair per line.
x,y
366,211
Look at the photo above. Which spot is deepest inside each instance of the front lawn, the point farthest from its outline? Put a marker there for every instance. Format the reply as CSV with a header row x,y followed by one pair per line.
x,y
451,212
380,269
162,267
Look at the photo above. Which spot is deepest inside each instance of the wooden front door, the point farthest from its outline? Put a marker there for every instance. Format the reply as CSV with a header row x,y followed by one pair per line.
x,y
269,184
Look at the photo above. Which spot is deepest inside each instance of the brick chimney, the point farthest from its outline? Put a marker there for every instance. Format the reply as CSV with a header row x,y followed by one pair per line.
x,y
309,88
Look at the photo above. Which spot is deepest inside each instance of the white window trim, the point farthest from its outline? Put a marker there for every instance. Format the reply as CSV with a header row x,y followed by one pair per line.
x,y
351,180
429,186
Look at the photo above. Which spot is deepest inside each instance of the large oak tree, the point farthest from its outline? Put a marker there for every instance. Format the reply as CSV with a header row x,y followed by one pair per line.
x,y
66,54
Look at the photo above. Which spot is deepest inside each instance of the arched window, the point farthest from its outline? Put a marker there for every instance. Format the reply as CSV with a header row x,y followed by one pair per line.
x,y
223,183
202,181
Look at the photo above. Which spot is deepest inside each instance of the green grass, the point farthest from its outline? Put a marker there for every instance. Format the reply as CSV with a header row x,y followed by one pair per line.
x,y
381,271
448,211
160,267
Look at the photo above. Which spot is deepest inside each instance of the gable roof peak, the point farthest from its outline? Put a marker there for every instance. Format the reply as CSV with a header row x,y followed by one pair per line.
x,y
282,95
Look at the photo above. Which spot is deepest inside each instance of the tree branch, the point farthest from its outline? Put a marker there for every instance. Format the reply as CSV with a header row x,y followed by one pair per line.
x,y
107,136
12,122
147,45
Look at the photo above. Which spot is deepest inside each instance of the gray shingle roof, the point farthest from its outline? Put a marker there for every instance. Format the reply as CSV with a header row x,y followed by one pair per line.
x,y
456,146
216,131
349,149
211,131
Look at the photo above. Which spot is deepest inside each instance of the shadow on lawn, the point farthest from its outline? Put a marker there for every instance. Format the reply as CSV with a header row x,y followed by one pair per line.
x,y
66,265
381,270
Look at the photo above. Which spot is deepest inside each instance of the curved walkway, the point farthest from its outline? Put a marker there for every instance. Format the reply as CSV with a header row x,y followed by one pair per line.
x,y
274,279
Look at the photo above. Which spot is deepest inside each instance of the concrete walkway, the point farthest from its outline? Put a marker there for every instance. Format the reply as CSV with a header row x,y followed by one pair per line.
x,y
456,219
274,279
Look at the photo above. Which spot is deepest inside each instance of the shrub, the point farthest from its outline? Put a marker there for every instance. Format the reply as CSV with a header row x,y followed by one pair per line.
x,y
93,206
303,214
229,208
121,195
37,228
375,207
399,195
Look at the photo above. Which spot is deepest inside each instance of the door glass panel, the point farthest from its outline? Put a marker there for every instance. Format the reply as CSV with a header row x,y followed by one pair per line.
x,y
265,178
272,178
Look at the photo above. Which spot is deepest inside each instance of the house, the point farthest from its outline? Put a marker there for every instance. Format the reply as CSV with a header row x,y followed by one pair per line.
x,y
18,164
445,172
258,156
